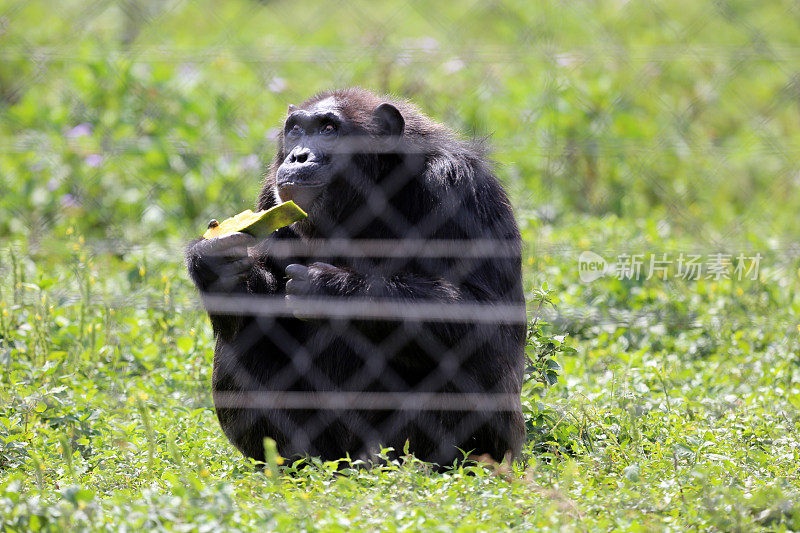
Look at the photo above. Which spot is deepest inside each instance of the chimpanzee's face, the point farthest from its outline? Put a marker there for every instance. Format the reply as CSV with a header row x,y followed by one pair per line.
x,y
314,155
320,142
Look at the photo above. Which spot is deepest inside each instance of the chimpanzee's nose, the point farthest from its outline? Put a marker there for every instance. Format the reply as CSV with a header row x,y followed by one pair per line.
x,y
299,155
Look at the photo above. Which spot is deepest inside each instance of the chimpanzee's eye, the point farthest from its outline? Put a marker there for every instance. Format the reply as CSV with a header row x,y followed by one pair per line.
x,y
327,129
296,130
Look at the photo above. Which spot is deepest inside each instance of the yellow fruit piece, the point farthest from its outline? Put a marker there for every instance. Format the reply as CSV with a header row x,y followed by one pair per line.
x,y
258,224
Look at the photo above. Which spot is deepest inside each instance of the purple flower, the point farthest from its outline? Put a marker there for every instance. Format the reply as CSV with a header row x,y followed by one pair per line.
x,y
188,74
93,160
277,85
251,162
81,130
453,66
68,200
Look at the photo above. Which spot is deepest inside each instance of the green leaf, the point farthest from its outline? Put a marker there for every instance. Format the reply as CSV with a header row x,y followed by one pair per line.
x,y
185,344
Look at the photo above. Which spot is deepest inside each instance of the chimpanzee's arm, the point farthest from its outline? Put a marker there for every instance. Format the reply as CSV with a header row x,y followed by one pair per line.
x,y
327,281
233,266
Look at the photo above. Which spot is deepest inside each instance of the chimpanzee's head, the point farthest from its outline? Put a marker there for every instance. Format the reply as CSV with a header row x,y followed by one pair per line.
x,y
323,139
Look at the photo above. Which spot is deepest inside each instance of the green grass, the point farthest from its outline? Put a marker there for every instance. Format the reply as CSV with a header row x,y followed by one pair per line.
x,y
645,128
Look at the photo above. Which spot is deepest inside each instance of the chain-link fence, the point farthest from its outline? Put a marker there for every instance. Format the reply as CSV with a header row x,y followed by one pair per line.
x,y
407,318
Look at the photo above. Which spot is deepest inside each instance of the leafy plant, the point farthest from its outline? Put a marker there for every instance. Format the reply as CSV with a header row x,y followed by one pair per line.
x,y
542,348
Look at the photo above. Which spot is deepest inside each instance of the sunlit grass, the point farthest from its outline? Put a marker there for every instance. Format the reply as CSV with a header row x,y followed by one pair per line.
x,y
618,128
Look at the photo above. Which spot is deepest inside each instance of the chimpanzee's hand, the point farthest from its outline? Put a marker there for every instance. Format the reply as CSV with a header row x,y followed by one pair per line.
x,y
222,263
305,282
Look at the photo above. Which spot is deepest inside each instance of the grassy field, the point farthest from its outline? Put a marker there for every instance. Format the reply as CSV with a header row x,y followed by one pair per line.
x,y
645,128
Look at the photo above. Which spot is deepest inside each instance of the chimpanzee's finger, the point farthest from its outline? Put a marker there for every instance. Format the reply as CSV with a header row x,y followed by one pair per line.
x,y
298,287
296,271
319,265
296,307
238,267
225,276
231,245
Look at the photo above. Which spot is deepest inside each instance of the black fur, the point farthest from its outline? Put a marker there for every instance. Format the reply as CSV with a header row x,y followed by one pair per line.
x,y
432,186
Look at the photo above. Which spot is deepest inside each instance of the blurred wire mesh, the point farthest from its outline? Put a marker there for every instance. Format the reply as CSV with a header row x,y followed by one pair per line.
x,y
162,115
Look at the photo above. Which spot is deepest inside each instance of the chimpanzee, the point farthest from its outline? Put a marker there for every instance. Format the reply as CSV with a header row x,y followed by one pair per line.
x,y
393,316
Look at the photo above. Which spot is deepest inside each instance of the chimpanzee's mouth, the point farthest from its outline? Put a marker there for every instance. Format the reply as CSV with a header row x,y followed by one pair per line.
x,y
299,183
294,175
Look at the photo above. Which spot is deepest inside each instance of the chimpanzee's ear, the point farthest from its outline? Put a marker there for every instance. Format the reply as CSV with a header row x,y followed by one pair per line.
x,y
292,109
388,120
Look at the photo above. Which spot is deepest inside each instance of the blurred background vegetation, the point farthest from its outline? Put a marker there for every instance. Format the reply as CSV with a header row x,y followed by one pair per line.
x,y
683,111
617,127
